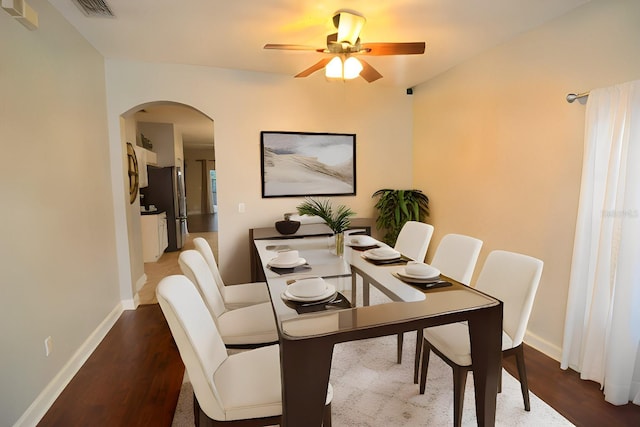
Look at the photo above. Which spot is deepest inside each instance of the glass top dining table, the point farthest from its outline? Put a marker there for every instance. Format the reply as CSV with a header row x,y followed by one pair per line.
x,y
307,338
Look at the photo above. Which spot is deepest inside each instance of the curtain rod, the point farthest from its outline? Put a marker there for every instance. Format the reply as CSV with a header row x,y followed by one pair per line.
x,y
572,96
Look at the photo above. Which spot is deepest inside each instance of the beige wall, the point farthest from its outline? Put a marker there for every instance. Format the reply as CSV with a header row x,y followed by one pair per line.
x,y
499,150
200,153
58,272
244,103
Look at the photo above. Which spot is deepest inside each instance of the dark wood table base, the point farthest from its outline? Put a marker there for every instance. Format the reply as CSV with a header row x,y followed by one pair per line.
x,y
310,358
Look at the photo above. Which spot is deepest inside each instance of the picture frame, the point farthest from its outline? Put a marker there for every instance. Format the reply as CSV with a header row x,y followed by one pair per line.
x,y
305,164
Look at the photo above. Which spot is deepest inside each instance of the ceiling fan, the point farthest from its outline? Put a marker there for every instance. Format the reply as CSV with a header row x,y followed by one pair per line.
x,y
344,49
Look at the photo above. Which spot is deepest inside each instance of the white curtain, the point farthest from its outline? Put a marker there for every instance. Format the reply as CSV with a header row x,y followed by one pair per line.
x,y
602,327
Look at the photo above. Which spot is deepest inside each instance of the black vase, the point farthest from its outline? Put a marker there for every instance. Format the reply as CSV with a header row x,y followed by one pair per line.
x,y
287,226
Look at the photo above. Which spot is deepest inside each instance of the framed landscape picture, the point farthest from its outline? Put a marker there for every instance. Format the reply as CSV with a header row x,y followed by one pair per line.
x,y
296,164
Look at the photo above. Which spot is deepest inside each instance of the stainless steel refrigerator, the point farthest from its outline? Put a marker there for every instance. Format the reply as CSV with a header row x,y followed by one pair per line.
x,y
166,192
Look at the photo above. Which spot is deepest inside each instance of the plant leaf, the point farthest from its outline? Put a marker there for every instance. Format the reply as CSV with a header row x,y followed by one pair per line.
x,y
322,208
402,203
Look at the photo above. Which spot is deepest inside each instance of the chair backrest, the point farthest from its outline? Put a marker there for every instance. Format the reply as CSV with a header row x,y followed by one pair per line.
x,y
512,278
413,240
199,342
456,256
204,248
196,269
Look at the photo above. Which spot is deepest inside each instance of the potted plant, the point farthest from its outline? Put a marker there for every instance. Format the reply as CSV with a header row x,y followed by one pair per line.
x,y
395,207
338,220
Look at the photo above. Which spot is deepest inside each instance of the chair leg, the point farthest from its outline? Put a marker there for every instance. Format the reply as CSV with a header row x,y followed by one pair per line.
x,y
326,419
196,411
426,352
522,373
400,342
459,380
416,362
459,383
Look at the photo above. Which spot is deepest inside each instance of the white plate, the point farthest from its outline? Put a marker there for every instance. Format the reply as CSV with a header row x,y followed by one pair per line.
x,y
276,264
376,255
331,290
433,272
422,279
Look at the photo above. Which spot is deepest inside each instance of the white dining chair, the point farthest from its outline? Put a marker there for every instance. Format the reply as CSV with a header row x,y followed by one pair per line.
x,y
240,389
456,257
245,326
412,242
234,296
512,278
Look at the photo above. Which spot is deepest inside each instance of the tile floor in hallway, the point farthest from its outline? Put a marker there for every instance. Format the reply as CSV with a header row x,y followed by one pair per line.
x,y
167,265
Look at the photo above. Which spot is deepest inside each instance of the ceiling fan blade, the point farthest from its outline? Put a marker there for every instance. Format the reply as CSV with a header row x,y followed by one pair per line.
x,y
315,67
288,46
378,49
369,73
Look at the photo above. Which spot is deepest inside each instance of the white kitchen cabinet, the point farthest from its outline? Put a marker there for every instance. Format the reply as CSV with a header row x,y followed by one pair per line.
x,y
145,157
154,236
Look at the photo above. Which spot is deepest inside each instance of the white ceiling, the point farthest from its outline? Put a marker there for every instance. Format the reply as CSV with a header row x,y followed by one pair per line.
x,y
195,127
231,34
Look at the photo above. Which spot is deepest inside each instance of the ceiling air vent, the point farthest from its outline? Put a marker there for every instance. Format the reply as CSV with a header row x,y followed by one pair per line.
x,y
95,8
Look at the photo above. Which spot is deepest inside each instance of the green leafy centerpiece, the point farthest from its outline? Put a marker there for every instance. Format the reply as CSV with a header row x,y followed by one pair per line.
x,y
338,220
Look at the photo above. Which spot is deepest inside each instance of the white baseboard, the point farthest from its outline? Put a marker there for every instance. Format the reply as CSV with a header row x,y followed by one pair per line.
x,y
551,350
140,282
130,304
48,396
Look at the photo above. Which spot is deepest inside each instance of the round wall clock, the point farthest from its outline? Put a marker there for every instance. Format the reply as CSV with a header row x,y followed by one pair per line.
x,y
132,162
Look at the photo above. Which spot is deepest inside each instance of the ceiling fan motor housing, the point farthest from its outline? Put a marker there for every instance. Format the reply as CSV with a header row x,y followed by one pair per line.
x,y
334,46
349,24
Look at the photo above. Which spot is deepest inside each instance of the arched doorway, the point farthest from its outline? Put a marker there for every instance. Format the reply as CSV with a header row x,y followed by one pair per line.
x,y
196,132
176,136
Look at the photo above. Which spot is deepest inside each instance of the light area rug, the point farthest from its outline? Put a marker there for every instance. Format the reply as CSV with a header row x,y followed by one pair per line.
x,y
370,389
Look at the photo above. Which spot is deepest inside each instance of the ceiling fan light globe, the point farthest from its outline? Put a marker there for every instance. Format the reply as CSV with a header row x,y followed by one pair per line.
x,y
333,70
352,68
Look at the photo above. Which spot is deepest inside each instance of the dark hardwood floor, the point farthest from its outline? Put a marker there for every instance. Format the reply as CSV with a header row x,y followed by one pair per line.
x,y
134,376
581,402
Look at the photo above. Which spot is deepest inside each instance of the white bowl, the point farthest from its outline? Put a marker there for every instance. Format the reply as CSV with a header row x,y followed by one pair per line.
x,y
362,241
287,257
420,269
384,252
308,287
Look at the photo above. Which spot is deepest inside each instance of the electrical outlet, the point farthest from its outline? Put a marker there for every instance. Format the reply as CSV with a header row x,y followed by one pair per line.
x,y
241,207
48,346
